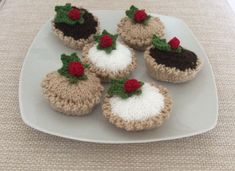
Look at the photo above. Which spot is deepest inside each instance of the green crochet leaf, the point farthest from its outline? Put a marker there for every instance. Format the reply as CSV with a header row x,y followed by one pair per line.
x,y
117,88
62,15
145,22
178,50
110,48
66,59
162,45
131,14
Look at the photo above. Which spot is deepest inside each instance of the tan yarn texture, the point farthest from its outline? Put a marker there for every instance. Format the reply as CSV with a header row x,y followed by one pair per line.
x,y
107,75
70,41
72,99
25,149
168,74
139,36
139,125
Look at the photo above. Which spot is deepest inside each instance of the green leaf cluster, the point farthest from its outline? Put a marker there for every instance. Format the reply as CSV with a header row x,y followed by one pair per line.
x,y
62,15
117,88
131,14
110,48
161,44
66,59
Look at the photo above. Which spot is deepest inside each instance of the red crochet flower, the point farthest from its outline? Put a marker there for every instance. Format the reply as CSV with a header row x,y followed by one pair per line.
x,y
106,41
140,15
76,69
131,85
174,43
74,14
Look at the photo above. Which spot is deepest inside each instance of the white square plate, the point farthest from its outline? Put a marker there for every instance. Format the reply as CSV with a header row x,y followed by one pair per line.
x,y
195,107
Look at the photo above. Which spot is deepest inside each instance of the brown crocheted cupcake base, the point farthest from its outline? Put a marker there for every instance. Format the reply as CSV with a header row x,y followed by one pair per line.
x,y
70,41
72,99
139,125
107,75
139,36
168,74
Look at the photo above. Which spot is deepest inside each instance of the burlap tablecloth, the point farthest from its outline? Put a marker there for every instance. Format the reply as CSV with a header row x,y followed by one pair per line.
x,y
22,148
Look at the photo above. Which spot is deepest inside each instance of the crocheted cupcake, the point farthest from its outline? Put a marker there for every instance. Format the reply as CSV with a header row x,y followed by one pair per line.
x,y
73,89
138,28
168,61
134,105
109,58
74,26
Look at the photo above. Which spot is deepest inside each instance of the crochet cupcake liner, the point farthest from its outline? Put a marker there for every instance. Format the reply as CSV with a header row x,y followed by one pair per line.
x,y
168,74
139,36
72,99
139,125
70,41
107,75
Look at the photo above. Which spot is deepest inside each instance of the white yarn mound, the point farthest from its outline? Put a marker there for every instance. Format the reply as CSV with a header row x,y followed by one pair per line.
x,y
139,107
117,60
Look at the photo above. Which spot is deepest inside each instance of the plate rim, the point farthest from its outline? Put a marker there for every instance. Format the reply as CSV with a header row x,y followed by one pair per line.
x,y
28,123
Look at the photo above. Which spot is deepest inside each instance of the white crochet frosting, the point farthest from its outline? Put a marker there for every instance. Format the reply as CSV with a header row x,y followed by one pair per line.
x,y
115,61
139,107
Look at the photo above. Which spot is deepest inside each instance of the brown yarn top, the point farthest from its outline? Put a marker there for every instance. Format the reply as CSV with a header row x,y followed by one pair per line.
x,y
182,61
79,31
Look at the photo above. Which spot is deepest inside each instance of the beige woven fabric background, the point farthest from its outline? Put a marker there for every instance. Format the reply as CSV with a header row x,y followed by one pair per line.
x,y
22,148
